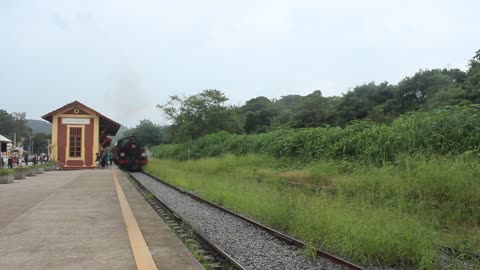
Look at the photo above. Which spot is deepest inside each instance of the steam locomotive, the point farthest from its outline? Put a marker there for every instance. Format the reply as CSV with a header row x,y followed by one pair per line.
x,y
129,154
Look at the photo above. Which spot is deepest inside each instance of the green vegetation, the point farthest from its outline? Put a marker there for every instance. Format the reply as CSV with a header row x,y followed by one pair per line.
x,y
6,171
385,174
398,214
21,169
446,131
148,195
17,123
379,194
146,132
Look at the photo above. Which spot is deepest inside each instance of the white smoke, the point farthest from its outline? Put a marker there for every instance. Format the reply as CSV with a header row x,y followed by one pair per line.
x,y
130,102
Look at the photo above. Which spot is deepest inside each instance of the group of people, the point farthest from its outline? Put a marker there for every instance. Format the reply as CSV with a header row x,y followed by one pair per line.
x,y
104,159
15,161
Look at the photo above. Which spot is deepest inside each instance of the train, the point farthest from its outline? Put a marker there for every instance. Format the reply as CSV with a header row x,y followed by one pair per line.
x,y
128,153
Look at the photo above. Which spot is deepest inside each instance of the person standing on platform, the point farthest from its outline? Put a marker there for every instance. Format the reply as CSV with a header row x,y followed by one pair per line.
x,y
107,159
97,160
102,159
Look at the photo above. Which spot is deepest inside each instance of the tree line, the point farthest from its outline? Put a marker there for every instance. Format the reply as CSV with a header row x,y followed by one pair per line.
x,y
207,112
15,125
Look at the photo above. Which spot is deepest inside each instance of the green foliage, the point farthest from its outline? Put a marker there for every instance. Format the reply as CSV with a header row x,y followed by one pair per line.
x,y
7,123
21,169
200,114
40,142
148,133
207,146
451,130
472,80
359,103
6,171
148,195
14,123
413,92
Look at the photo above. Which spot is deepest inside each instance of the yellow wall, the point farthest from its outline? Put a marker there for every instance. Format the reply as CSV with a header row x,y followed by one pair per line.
x,y
94,120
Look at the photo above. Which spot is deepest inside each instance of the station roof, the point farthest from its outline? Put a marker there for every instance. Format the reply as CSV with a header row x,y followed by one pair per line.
x,y
107,125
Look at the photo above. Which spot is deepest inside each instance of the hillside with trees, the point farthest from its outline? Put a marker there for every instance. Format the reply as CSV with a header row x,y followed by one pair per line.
x,y
39,126
28,133
197,115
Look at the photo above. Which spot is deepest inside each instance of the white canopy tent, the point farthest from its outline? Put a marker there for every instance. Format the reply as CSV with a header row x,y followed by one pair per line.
x,y
3,139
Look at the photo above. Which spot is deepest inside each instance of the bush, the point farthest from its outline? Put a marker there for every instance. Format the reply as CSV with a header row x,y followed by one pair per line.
x,y
6,171
21,169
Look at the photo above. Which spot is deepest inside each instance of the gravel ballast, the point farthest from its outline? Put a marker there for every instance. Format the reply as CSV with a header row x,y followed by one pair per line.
x,y
251,247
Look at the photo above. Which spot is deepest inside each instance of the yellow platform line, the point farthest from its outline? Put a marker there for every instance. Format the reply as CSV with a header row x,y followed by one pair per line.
x,y
143,257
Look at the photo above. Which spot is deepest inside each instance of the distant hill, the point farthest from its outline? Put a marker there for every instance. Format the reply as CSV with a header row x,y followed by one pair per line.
x,y
39,126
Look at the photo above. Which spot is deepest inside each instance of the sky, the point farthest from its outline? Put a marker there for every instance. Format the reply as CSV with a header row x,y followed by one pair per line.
x,y
123,57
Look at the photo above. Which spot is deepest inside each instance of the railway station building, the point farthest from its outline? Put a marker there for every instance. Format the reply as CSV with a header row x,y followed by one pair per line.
x,y
78,134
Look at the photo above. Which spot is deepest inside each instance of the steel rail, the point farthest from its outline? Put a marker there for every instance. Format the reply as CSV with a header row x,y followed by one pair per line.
x,y
277,234
457,252
178,217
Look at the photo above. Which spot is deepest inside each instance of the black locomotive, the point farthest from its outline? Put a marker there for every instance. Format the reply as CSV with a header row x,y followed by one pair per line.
x,y
129,154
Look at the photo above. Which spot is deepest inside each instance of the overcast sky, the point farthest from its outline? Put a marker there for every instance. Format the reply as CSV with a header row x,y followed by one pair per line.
x,y
122,57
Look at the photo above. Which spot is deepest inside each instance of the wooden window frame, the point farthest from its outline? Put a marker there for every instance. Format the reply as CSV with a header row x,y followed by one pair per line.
x,y
75,142
79,144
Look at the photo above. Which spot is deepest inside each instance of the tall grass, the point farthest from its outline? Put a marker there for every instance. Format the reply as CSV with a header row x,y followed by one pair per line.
x,y
395,215
451,130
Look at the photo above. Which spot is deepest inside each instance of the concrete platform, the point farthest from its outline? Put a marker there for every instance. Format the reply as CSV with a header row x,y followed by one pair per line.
x,y
73,220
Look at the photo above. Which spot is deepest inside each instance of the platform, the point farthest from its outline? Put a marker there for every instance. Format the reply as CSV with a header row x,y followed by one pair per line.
x,y
73,220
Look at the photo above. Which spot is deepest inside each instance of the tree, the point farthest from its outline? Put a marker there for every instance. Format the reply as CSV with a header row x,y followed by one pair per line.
x,y
15,123
40,143
257,122
472,80
259,114
148,133
256,104
285,107
20,127
315,111
7,123
359,103
200,114
413,92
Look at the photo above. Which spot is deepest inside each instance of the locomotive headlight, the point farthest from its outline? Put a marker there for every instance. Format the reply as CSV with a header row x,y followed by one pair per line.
x,y
133,146
144,154
122,154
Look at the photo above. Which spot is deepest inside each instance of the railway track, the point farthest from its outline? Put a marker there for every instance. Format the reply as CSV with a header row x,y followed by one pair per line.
x,y
243,242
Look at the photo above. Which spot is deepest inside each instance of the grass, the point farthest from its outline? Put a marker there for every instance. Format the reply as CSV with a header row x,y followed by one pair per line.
x,y
148,195
396,215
